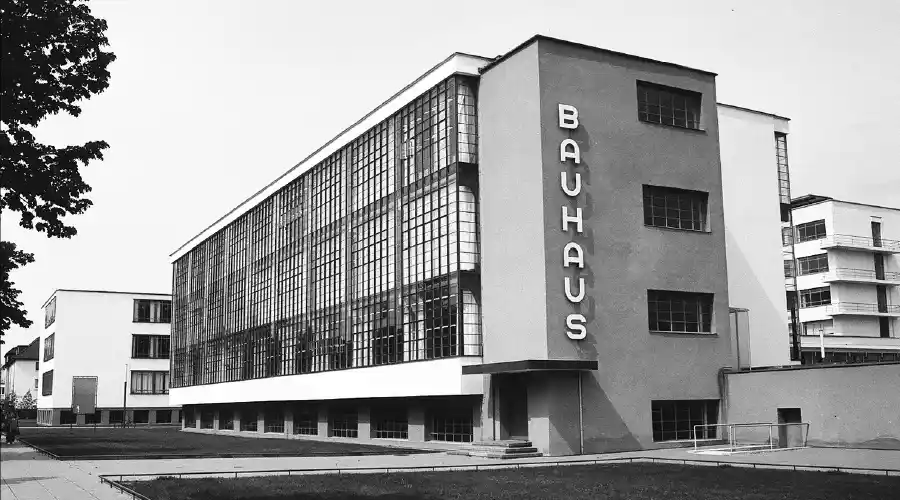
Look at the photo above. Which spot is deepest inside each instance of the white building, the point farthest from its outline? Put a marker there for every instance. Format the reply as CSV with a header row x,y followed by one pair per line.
x,y
753,147
20,370
848,279
115,342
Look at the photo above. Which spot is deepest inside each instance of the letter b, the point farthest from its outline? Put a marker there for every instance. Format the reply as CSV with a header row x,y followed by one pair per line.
x,y
568,116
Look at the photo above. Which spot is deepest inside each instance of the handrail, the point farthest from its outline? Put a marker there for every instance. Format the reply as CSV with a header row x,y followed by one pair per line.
x,y
849,240
851,307
869,274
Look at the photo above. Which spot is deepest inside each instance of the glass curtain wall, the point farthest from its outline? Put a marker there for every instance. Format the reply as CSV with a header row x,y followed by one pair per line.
x,y
369,258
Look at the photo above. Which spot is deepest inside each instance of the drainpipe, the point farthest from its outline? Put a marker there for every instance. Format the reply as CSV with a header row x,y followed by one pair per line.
x,y
580,417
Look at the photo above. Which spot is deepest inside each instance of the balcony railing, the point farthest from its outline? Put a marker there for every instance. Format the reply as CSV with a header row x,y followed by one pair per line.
x,y
861,308
860,242
843,273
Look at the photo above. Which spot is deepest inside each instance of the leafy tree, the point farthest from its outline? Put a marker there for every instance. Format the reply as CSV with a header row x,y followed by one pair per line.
x,y
11,311
27,402
52,58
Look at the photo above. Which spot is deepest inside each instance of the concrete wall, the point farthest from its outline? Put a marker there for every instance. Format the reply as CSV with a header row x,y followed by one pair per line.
x,y
854,406
512,221
439,377
753,241
93,339
624,258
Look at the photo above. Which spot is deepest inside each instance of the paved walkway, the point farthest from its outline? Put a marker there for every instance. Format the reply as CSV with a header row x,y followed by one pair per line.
x,y
27,475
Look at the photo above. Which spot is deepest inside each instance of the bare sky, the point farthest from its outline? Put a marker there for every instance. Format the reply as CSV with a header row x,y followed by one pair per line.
x,y
210,101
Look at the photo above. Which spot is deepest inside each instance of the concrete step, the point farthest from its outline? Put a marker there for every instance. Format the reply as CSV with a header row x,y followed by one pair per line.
x,y
512,451
505,456
503,444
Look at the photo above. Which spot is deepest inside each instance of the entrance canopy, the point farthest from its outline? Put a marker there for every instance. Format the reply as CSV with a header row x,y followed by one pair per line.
x,y
531,365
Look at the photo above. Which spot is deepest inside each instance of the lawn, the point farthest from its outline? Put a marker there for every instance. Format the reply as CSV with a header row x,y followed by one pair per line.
x,y
136,443
595,482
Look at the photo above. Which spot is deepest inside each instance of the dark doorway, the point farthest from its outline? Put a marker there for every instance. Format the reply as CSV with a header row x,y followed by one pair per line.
x,y
790,433
876,234
512,392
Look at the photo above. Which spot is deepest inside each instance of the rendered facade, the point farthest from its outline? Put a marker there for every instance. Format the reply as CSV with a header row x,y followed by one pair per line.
x,y
847,269
528,247
113,346
19,373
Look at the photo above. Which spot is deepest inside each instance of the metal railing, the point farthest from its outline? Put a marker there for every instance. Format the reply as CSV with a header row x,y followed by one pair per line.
x,y
859,307
756,436
847,240
864,274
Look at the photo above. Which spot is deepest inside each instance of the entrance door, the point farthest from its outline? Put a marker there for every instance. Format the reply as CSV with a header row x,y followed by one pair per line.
x,y
790,436
513,399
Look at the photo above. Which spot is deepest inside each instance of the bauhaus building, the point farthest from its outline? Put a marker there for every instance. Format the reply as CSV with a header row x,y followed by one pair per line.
x,y
529,246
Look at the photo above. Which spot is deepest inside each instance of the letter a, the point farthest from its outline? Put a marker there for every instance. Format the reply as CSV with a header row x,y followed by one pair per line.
x,y
578,258
565,185
576,322
574,298
564,154
568,117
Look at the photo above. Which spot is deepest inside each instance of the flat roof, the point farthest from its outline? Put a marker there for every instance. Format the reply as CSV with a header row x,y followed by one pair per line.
x,y
497,60
101,291
756,111
814,199
456,63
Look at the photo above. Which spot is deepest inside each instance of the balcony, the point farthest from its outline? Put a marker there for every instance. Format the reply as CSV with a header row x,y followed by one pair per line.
x,y
859,244
836,341
861,309
863,276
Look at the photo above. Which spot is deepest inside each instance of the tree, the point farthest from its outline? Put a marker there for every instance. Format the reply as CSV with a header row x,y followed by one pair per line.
x,y
11,311
27,402
53,58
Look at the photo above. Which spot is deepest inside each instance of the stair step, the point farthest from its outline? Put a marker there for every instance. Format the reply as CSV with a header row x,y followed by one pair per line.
x,y
503,444
492,449
504,456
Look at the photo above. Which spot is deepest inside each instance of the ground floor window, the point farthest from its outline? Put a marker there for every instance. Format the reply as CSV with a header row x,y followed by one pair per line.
x,y
454,427
67,417
116,416
306,422
675,420
390,423
141,417
848,357
190,419
163,416
226,419
249,421
207,418
45,417
274,420
343,423
93,418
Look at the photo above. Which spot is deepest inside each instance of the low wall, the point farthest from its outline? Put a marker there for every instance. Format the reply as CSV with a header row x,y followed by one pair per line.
x,y
846,405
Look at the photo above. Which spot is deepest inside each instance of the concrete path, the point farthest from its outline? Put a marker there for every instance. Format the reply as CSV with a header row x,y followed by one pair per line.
x,y
28,475
809,457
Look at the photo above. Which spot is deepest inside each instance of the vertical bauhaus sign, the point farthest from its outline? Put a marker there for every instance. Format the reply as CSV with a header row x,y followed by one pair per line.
x,y
572,222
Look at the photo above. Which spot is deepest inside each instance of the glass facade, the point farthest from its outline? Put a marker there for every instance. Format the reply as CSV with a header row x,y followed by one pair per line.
x,y
369,258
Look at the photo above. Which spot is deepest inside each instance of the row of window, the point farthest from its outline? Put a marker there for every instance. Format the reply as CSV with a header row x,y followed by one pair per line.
x,y
814,297
812,264
50,313
150,346
386,423
49,343
152,311
149,382
68,417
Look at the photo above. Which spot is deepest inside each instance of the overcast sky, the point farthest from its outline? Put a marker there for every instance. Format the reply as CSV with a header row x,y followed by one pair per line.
x,y
210,101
